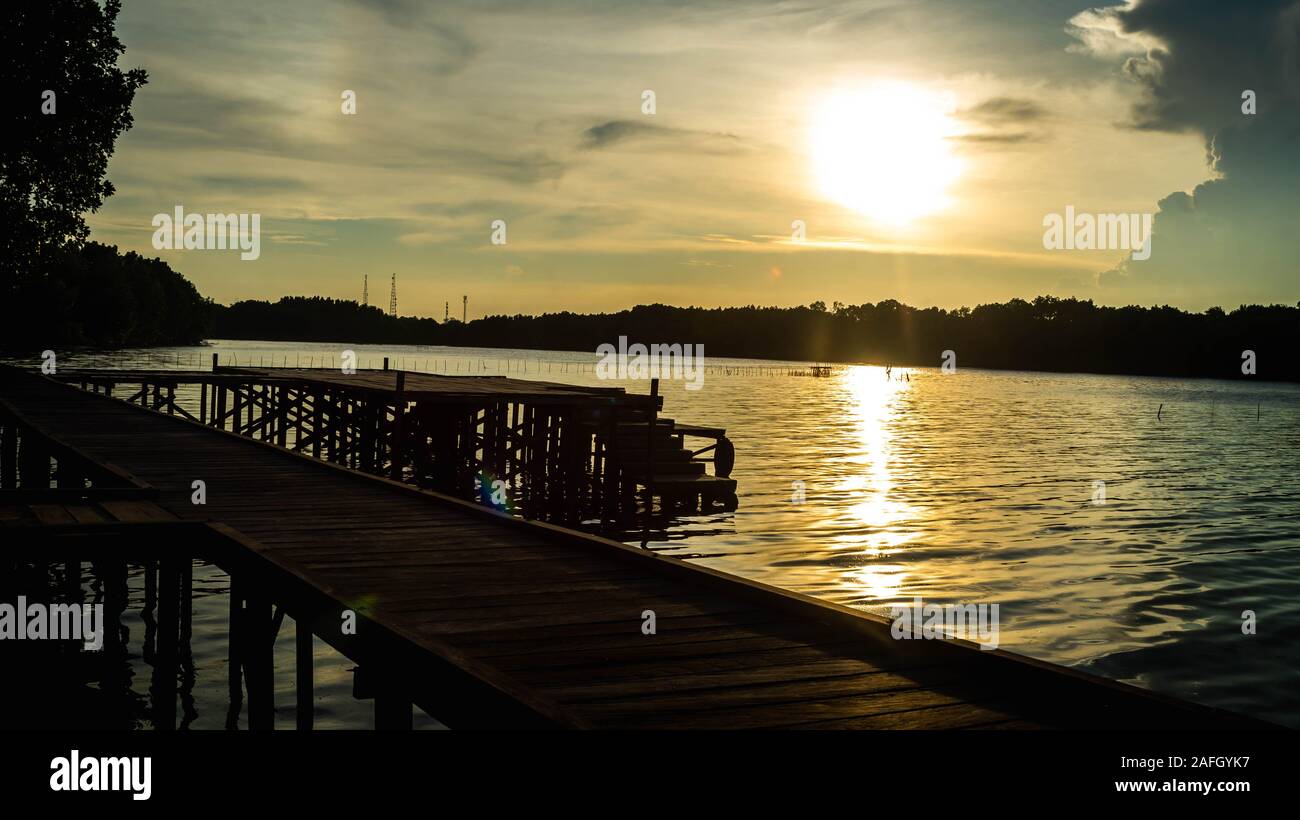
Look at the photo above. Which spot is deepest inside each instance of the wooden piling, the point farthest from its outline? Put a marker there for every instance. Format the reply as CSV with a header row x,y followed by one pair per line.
x,y
303,677
234,649
163,687
258,651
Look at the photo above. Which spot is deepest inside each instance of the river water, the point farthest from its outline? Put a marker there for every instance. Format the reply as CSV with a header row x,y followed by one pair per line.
x,y
1125,526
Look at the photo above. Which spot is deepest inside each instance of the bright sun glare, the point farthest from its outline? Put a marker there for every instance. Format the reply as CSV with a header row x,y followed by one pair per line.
x,y
884,150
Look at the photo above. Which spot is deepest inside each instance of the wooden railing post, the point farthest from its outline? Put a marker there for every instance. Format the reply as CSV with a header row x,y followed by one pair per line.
x,y
650,443
399,419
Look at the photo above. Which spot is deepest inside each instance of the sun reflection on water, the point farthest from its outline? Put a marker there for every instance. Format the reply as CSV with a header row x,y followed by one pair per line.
x,y
880,519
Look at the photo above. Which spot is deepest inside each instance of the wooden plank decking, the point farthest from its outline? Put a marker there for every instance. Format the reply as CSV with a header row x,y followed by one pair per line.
x,y
431,386
553,617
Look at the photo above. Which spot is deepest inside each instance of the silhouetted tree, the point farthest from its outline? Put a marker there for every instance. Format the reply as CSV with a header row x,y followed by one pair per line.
x,y
92,295
66,101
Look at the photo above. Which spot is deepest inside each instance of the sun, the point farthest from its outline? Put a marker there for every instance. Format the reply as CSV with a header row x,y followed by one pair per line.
x,y
885,150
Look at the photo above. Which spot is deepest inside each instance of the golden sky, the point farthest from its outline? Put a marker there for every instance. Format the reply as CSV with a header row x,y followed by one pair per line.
x,y
919,144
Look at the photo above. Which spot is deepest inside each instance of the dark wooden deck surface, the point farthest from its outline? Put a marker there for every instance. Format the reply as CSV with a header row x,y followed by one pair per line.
x,y
554,616
429,386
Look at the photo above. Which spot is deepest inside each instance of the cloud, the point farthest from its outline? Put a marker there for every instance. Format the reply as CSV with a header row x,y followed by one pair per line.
x,y
1003,138
1203,56
608,133
251,184
1002,110
1003,120
452,48
397,12
614,132
1101,32
526,168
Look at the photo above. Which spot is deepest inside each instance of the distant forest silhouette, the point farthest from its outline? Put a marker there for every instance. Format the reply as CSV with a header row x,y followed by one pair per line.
x,y
93,296
1049,333
89,295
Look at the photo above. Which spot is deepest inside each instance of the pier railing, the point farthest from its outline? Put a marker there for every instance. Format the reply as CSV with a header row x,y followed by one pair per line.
x,y
547,451
36,467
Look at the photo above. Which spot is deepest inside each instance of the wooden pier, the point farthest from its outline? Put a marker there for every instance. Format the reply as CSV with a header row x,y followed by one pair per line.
x,y
479,617
559,452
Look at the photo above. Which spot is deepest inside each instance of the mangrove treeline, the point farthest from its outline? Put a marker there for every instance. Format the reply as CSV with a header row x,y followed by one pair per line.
x,y
89,295
1050,334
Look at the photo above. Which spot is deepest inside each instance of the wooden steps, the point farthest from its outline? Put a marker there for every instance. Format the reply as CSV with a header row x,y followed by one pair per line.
x,y
674,474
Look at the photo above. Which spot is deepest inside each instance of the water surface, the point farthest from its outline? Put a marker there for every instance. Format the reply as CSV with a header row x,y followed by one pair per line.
x,y
982,487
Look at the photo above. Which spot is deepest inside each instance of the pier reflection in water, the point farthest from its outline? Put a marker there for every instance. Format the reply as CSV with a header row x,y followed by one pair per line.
x,y
150,673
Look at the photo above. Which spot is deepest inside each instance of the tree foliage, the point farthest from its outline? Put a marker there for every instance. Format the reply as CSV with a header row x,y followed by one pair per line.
x,y
91,295
57,148
1049,333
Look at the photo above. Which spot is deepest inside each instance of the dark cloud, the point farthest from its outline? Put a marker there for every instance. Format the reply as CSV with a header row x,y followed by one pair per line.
x,y
187,114
614,132
251,184
1004,120
1003,110
1002,138
1207,53
454,51
451,48
398,11
524,168
1200,58
608,133
202,118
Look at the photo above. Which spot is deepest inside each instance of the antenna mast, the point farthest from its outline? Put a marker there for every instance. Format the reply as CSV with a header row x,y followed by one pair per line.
x,y
365,291
392,298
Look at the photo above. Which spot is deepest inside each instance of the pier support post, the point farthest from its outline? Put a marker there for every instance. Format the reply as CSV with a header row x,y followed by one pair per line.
x,y
304,673
72,580
258,651
392,710
112,579
34,469
8,456
163,685
234,646
150,613
186,576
